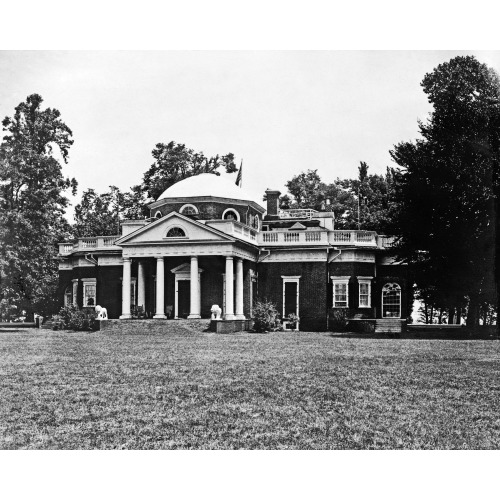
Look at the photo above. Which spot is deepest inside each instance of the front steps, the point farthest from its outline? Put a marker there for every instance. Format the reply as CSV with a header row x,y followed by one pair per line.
x,y
389,325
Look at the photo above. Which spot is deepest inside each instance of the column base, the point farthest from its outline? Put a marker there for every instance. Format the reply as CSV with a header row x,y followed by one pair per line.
x,y
229,316
194,316
239,316
126,316
159,316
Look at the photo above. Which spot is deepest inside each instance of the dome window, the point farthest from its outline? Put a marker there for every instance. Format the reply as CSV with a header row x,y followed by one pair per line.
x,y
176,232
158,215
188,209
231,214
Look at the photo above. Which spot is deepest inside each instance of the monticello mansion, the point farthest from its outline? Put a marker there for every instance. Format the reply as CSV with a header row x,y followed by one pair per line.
x,y
207,242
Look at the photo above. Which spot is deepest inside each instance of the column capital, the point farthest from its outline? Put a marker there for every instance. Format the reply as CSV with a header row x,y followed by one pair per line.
x,y
127,259
229,257
159,258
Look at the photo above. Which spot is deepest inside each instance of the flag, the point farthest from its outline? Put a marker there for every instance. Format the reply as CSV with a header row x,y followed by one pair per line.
x,y
238,177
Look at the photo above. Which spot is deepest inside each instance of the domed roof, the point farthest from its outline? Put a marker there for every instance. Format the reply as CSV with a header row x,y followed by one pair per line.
x,y
207,185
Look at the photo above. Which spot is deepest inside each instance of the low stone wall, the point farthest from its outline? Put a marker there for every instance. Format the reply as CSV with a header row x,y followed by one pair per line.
x,y
230,326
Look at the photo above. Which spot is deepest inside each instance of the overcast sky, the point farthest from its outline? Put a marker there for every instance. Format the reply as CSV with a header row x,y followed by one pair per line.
x,y
281,112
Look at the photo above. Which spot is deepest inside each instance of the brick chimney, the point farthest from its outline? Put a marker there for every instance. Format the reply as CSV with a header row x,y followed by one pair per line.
x,y
272,202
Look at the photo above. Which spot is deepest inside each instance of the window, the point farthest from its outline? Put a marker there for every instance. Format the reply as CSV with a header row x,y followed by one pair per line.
x,y
68,295
188,210
133,287
256,222
230,214
158,215
89,297
391,301
176,232
340,291
364,291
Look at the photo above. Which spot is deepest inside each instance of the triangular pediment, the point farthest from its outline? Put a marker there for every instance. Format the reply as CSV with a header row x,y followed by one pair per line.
x,y
173,228
298,225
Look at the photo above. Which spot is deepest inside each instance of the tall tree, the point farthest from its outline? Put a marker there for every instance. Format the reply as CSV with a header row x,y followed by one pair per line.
x,y
32,204
174,162
446,216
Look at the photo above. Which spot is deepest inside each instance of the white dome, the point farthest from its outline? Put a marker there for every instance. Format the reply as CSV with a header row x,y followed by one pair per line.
x,y
207,185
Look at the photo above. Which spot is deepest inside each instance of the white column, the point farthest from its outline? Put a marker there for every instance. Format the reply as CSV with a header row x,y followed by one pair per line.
x,y
229,313
141,285
239,289
127,271
194,288
160,289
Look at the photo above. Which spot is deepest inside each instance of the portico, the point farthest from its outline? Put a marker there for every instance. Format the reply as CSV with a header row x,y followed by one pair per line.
x,y
177,283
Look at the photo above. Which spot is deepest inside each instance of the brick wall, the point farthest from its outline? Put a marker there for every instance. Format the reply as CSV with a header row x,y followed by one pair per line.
x,y
312,289
209,210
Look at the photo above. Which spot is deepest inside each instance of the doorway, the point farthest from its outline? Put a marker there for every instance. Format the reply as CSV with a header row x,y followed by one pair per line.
x,y
184,298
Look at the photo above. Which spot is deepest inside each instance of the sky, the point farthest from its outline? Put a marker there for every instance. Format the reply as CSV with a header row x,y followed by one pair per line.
x,y
281,112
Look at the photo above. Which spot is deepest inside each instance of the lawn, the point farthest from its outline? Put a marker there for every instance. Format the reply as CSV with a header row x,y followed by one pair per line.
x,y
197,390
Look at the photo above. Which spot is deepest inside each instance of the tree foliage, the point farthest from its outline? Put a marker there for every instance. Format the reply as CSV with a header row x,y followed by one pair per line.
x,y
374,192
446,216
174,162
32,204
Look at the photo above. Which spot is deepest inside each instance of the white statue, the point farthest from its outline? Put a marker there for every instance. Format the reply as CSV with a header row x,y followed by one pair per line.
x,y
102,312
216,311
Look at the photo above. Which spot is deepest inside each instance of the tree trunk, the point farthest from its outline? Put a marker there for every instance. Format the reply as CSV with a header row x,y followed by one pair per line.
x,y
473,313
451,315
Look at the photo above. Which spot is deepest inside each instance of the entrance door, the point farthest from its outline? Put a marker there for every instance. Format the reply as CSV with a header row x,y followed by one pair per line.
x,y
184,299
290,299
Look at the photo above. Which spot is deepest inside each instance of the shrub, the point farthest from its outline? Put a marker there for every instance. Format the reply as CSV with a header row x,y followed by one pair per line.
x,y
266,317
338,320
72,318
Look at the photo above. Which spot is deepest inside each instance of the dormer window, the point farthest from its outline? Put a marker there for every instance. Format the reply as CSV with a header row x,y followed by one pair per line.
x,y
188,209
176,232
158,215
231,214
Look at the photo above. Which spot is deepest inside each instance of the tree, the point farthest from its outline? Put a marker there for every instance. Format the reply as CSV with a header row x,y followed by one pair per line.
x,y
32,205
174,162
374,192
446,216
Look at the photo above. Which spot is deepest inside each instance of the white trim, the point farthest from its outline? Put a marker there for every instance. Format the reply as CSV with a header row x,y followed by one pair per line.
x,y
158,213
291,279
365,280
340,280
75,291
188,205
231,210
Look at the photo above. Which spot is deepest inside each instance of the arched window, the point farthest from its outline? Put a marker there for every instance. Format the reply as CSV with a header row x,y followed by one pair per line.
x,y
158,215
391,301
68,295
231,214
188,209
256,222
176,232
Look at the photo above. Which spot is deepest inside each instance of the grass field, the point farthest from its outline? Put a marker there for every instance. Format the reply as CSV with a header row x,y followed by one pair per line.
x,y
189,389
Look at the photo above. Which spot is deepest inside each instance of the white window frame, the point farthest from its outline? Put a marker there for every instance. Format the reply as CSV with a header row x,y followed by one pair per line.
x,y
291,279
75,291
188,205
340,280
173,226
400,299
133,292
231,210
68,295
365,280
158,215
86,283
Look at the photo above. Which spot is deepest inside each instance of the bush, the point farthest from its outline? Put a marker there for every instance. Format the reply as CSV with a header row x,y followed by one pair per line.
x,y
266,317
338,320
72,318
